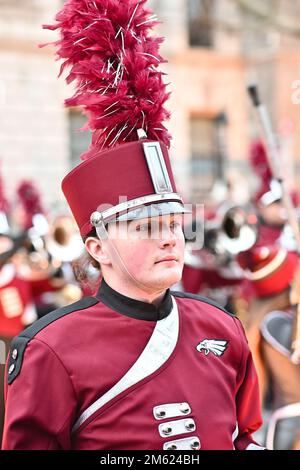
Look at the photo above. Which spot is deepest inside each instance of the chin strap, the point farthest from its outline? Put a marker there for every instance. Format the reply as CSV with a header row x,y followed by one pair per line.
x,y
102,234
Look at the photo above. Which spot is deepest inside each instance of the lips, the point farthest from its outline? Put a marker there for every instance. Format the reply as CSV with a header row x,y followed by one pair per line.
x,y
167,258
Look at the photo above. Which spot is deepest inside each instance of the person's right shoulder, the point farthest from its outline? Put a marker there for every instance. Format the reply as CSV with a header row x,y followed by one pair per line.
x,y
20,342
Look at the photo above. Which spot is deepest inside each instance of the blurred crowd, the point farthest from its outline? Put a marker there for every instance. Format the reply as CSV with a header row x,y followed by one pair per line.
x,y
249,263
39,257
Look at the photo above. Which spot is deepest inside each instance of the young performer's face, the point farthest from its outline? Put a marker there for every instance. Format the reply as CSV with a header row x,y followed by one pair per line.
x,y
147,252
153,250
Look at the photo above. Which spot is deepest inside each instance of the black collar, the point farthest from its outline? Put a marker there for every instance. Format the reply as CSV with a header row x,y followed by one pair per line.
x,y
134,308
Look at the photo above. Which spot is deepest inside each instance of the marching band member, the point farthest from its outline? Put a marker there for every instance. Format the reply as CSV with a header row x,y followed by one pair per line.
x,y
97,374
270,271
271,320
272,215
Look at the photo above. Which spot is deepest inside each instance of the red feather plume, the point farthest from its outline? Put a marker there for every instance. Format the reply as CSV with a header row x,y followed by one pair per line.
x,y
113,60
31,201
261,167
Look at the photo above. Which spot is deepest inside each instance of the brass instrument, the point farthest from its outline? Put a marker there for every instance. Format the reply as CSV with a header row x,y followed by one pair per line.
x,y
233,230
63,240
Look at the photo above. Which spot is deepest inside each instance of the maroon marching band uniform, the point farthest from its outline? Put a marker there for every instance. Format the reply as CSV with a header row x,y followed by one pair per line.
x,y
88,347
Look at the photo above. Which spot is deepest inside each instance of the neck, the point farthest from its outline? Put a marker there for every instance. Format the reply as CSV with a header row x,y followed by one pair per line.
x,y
134,292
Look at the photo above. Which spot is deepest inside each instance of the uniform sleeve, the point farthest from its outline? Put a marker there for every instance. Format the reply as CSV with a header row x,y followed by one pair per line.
x,y
40,403
248,407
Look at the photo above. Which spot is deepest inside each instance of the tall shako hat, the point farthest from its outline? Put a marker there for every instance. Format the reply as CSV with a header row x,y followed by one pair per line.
x,y
269,268
114,61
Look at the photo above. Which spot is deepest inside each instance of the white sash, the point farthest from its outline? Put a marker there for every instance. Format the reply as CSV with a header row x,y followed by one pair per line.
x,y
157,351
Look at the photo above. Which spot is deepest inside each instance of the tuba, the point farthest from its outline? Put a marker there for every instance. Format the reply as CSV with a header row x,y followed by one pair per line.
x,y
63,241
233,229
238,229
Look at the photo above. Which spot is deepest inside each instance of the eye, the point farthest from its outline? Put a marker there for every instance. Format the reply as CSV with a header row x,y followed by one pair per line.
x,y
143,227
175,225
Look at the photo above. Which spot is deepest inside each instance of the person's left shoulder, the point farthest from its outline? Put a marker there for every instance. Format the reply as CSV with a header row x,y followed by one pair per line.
x,y
206,311
214,328
203,301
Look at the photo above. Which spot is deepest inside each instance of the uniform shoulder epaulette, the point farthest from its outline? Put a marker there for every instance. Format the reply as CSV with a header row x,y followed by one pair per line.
x,y
19,343
202,299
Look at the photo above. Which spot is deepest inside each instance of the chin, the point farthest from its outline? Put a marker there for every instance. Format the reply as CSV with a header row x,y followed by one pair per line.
x,y
168,278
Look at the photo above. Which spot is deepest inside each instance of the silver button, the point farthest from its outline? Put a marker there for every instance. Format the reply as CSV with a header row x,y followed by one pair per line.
x,y
171,447
14,354
171,410
166,430
11,369
188,443
190,424
184,408
160,413
195,445
96,218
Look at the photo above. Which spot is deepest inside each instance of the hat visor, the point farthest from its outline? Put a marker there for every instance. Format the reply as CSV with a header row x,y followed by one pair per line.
x,y
154,210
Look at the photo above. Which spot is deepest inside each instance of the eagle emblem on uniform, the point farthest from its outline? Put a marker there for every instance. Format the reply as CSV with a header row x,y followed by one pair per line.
x,y
216,346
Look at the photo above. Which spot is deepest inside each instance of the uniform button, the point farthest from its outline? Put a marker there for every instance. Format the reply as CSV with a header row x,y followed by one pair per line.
x,y
190,425
172,447
11,369
184,408
195,445
160,413
166,430
14,354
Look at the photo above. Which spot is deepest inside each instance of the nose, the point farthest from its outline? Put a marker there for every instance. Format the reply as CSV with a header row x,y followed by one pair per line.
x,y
168,238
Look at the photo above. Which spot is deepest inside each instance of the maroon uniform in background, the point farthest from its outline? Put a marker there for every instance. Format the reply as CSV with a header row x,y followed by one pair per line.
x,y
16,310
208,370
16,302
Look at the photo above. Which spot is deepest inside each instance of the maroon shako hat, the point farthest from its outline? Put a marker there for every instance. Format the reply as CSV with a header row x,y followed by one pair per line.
x,y
113,61
270,269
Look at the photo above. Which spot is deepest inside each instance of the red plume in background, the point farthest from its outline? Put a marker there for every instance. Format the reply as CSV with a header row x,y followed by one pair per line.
x,y
113,60
259,161
4,204
261,167
30,200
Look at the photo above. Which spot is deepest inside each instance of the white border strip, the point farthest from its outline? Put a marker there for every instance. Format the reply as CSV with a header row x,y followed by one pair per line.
x,y
140,201
267,335
157,351
289,411
235,433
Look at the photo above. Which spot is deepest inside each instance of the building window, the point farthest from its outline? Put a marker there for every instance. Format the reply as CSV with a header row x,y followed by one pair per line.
x,y
207,157
200,22
79,140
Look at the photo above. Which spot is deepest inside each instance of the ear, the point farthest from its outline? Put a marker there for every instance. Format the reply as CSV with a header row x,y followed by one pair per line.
x,y
97,250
